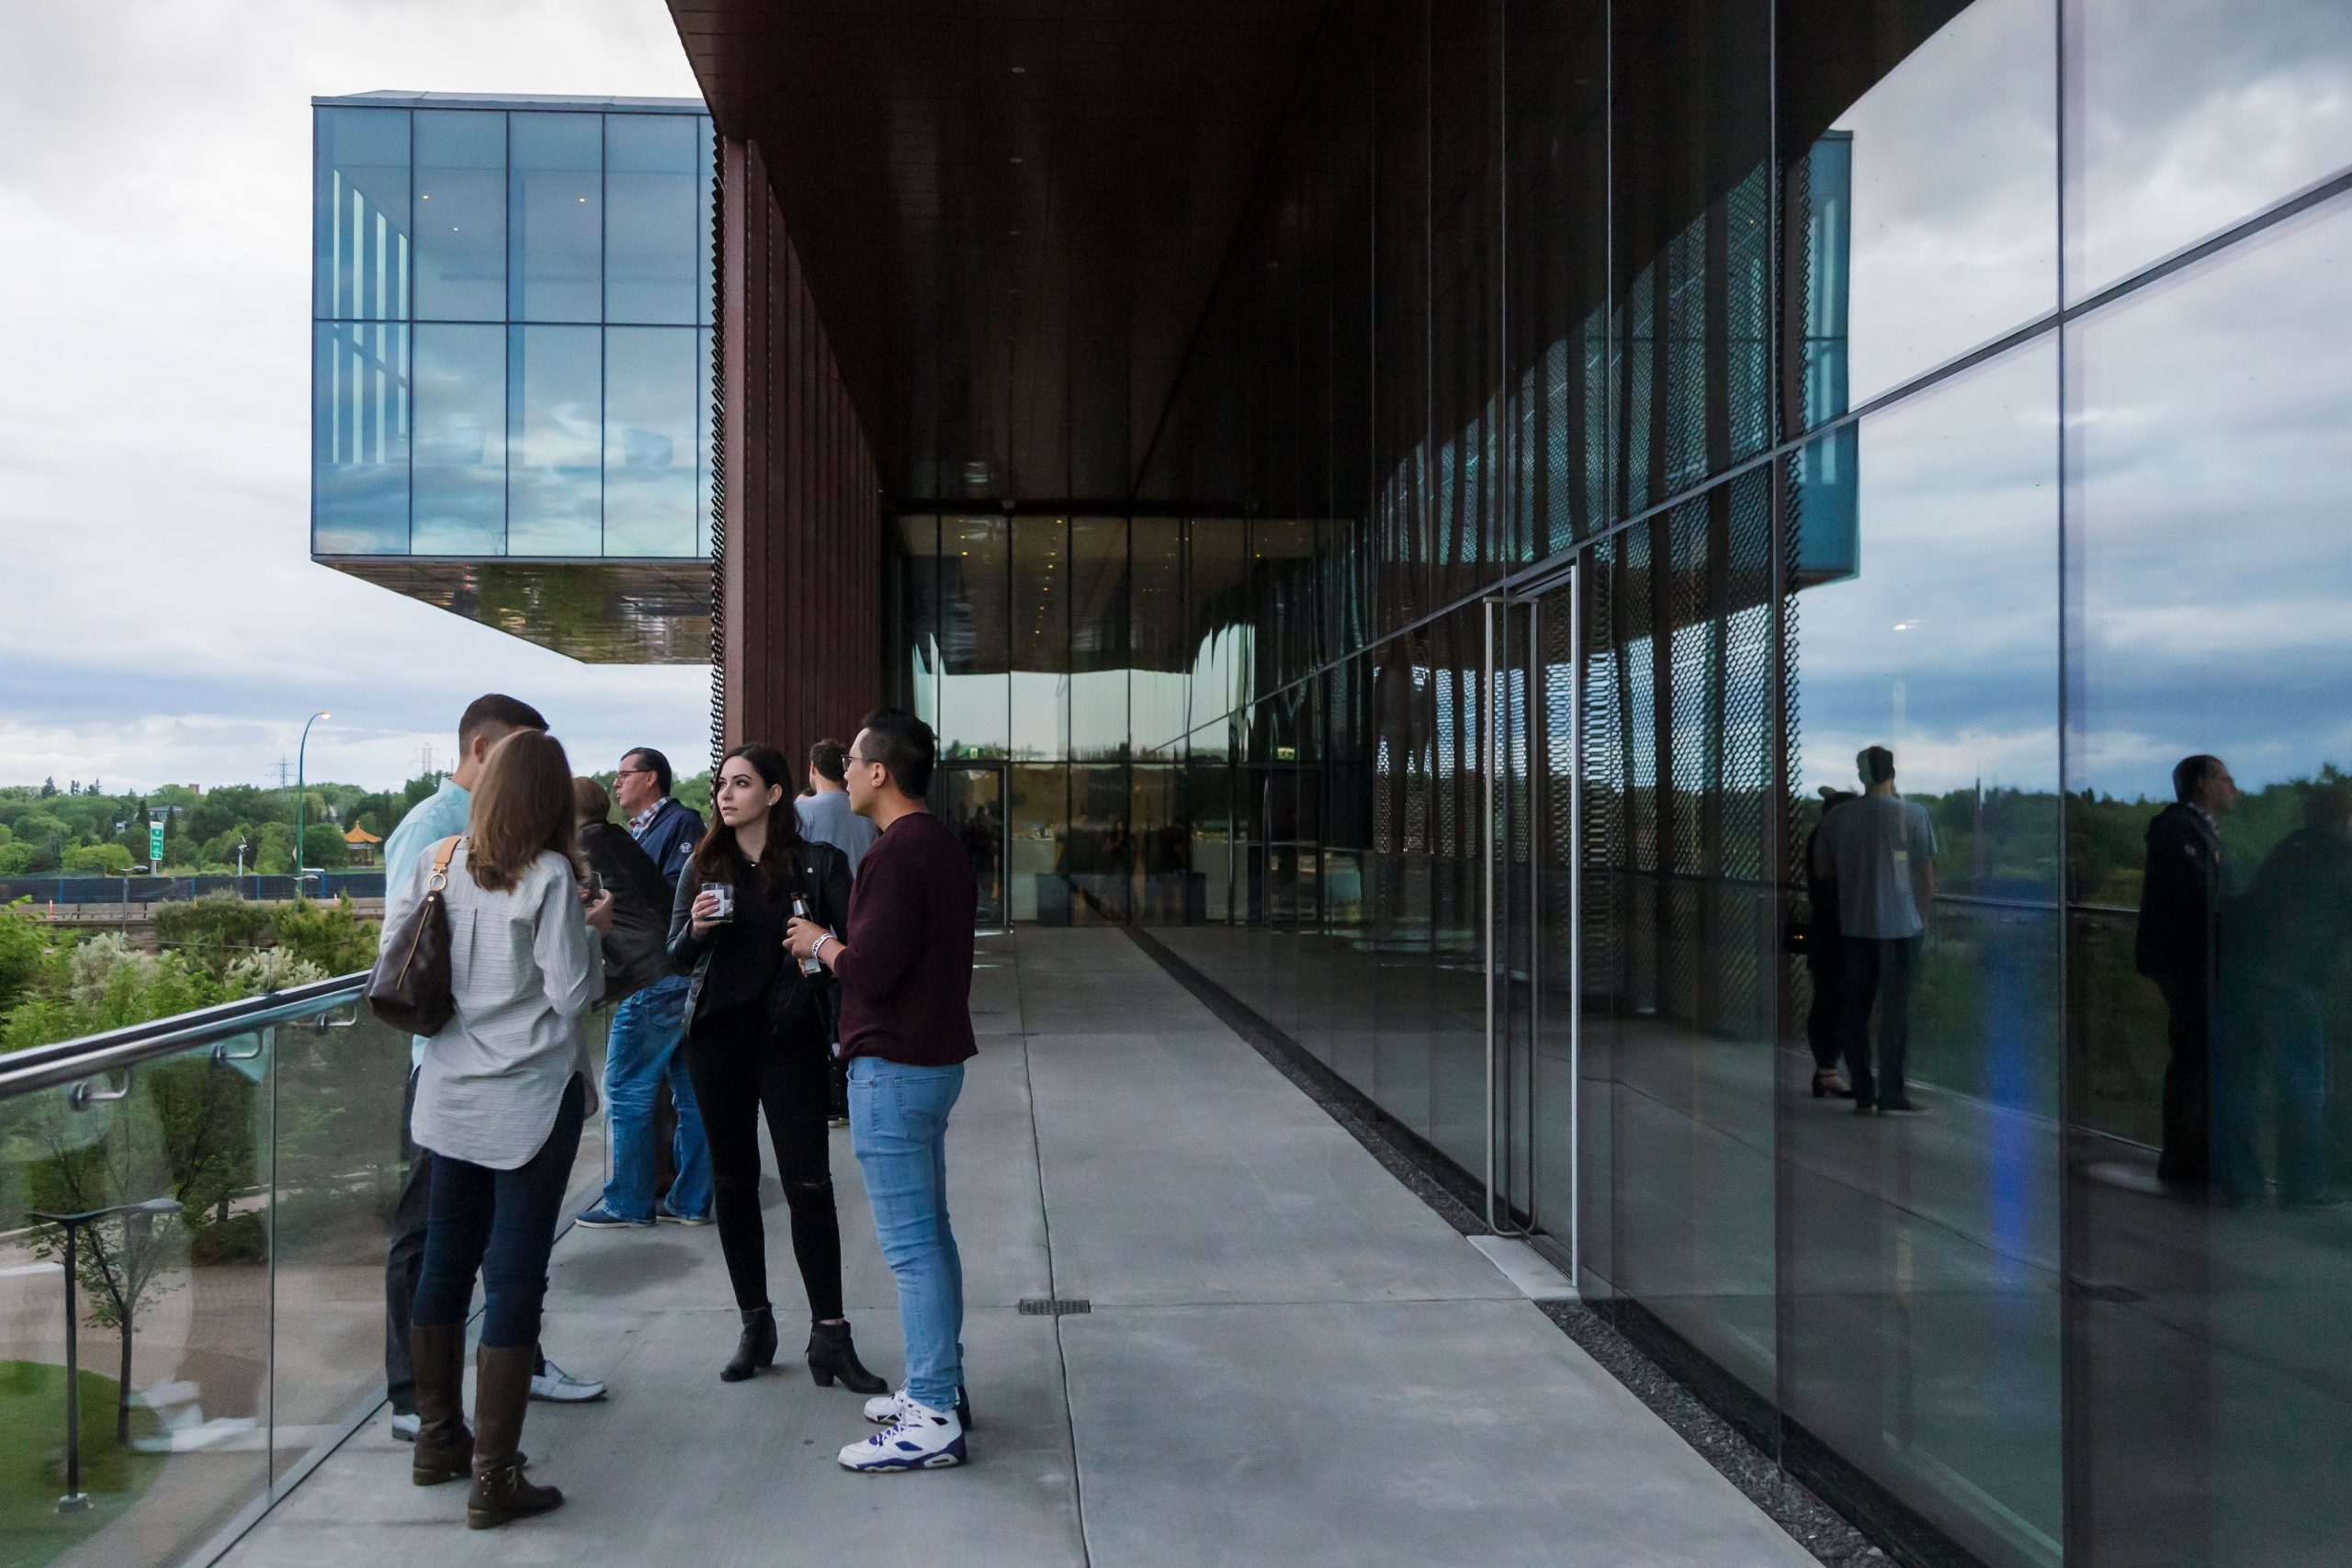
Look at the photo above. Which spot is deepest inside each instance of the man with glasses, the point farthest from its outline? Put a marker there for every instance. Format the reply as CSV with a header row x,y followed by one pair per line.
x,y
905,968
647,1027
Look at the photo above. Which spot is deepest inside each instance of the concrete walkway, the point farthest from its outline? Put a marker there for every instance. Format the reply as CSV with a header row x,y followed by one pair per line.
x,y
1289,1358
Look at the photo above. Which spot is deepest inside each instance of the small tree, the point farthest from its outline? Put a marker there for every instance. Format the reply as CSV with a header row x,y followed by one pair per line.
x,y
323,846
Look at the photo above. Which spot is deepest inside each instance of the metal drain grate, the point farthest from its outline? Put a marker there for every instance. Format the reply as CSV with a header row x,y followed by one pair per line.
x,y
1055,1306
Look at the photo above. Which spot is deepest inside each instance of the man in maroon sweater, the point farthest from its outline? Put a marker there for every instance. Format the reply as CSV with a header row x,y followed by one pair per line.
x,y
905,968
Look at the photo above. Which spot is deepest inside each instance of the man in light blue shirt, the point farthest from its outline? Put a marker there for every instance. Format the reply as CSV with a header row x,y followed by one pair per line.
x,y
442,815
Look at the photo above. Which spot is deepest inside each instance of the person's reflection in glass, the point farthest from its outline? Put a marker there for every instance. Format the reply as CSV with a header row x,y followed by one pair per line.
x,y
2280,944
2190,877
1825,959
1880,852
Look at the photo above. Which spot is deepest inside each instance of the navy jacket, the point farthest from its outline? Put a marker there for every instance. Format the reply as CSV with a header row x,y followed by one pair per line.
x,y
670,839
2191,880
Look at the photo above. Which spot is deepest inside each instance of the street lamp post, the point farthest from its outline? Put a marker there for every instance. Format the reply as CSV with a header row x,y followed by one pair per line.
x,y
75,1500
300,789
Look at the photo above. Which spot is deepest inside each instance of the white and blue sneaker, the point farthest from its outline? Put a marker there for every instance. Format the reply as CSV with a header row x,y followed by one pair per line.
x,y
884,1409
921,1438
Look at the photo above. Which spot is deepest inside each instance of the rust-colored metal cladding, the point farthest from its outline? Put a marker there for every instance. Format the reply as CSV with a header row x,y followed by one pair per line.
x,y
800,582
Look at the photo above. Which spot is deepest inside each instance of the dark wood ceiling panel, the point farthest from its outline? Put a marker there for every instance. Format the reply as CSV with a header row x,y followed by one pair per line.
x,y
1011,215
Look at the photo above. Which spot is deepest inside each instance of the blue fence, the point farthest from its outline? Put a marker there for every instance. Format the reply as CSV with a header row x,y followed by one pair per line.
x,y
175,889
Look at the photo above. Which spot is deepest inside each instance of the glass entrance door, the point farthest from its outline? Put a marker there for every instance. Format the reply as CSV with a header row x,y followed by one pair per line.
x,y
1529,913
972,802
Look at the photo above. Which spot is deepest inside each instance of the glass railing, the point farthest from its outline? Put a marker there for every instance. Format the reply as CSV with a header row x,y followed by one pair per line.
x,y
222,1184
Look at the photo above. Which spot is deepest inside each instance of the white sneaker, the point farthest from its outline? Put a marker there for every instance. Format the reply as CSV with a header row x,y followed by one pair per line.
x,y
922,1438
884,1409
561,1387
406,1425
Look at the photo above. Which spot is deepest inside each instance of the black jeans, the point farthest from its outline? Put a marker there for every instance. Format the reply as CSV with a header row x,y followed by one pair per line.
x,y
1878,974
500,1224
404,1261
1824,1019
2187,1153
740,1070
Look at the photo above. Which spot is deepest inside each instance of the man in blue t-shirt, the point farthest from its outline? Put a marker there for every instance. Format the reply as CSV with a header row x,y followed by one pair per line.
x,y
1880,850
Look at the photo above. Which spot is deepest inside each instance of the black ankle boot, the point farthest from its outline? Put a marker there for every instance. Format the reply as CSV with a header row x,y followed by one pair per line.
x,y
755,1349
831,1355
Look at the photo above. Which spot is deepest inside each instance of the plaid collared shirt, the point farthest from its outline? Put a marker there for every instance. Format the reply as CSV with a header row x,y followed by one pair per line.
x,y
644,819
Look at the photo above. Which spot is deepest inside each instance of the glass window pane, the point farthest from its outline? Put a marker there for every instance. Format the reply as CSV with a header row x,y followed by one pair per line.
x,y
705,178
915,654
1158,655
360,215
1923,206
461,500
1216,608
655,239
556,216
1041,602
556,467
1690,995
1102,855
975,555
2192,116
1691,244
1940,645
360,439
1039,885
461,216
649,456
1098,568
2207,472
702,396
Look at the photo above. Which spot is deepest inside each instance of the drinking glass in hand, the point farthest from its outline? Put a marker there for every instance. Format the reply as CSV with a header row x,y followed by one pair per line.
x,y
722,896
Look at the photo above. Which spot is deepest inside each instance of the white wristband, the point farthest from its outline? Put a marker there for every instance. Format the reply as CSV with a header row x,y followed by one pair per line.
x,y
816,948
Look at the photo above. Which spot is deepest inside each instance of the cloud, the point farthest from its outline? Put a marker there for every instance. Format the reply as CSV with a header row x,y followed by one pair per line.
x,y
164,621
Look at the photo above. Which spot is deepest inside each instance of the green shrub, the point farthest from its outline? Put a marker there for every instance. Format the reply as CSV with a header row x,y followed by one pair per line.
x,y
331,937
214,931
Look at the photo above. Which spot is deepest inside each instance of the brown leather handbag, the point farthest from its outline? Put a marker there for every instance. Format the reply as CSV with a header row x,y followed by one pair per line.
x,y
412,988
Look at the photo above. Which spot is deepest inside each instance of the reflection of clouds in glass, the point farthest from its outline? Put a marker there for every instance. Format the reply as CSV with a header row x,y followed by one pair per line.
x,y
2215,482
2196,114
1959,505
1955,219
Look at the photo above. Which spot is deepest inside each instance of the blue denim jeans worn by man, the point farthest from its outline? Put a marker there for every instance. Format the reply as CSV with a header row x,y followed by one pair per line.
x,y
898,1126
646,1028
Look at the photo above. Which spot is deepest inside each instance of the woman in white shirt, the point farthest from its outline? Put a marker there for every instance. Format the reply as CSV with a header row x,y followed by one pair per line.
x,y
499,1099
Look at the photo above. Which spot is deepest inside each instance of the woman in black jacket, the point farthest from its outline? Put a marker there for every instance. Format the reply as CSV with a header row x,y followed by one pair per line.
x,y
755,1040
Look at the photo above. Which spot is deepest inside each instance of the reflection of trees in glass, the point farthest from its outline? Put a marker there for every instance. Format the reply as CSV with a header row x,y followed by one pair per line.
x,y
1987,1004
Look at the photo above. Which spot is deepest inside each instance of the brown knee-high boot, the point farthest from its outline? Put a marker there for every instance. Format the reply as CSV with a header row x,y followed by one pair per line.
x,y
502,1392
445,1448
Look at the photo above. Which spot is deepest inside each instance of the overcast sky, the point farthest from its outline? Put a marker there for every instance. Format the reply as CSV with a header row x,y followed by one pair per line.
x,y
160,619
163,621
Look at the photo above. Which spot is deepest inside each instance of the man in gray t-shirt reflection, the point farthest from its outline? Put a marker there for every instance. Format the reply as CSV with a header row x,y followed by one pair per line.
x,y
1880,851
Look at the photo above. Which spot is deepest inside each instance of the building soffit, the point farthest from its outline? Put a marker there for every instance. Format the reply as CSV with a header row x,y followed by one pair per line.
x,y
1010,217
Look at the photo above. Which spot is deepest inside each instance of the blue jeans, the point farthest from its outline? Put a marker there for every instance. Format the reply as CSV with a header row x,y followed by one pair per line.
x,y
898,1126
646,1028
501,1226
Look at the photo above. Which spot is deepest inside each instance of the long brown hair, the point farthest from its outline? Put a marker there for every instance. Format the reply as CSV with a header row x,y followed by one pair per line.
x,y
522,805
716,858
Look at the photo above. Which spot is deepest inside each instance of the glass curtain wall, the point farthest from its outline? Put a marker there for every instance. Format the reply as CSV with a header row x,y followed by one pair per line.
x,y
510,333
1937,414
